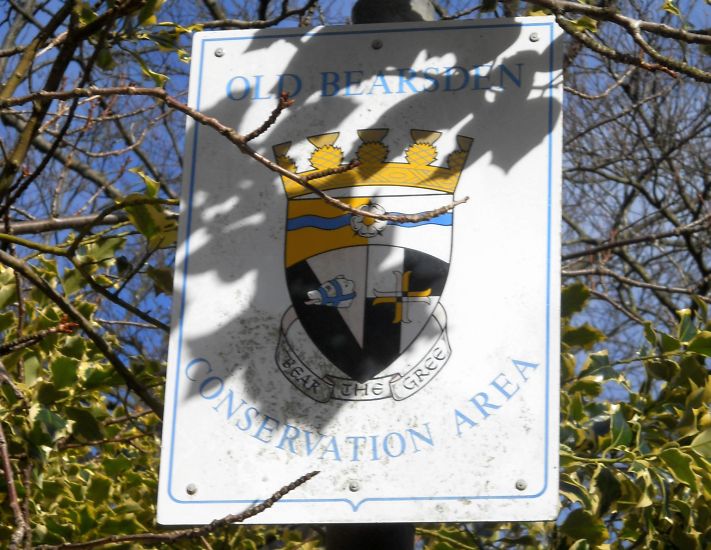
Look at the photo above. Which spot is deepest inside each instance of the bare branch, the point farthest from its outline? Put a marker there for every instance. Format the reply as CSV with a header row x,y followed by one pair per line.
x,y
34,227
699,225
604,272
187,534
21,527
611,13
284,103
234,137
604,94
261,23
64,327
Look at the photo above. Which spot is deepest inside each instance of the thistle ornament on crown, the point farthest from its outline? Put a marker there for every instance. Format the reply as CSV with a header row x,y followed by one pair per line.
x,y
373,169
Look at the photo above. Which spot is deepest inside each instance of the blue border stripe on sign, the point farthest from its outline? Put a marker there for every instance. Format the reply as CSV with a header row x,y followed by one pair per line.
x,y
196,128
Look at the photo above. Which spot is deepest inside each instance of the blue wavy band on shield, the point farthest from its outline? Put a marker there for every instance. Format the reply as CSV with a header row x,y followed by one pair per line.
x,y
319,222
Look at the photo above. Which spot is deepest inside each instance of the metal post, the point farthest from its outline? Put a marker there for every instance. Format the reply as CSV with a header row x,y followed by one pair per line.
x,y
380,536
392,11
370,536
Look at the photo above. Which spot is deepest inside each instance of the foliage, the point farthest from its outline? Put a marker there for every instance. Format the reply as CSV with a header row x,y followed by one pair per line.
x,y
88,199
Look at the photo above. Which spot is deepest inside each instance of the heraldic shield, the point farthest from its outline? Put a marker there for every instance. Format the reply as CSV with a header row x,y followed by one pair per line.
x,y
366,292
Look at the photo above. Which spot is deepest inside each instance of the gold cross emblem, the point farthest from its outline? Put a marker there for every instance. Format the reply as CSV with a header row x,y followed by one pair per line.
x,y
402,297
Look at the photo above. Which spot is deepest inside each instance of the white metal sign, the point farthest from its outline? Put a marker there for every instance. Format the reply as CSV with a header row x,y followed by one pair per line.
x,y
414,363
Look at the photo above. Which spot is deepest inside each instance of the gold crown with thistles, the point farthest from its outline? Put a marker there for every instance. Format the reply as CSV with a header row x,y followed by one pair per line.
x,y
372,168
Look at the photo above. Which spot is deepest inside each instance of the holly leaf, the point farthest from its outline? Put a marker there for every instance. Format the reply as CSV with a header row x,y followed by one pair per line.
x,y
584,336
701,343
670,6
162,279
581,524
702,443
85,424
621,431
99,488
64,371
680,466
152,186
573,299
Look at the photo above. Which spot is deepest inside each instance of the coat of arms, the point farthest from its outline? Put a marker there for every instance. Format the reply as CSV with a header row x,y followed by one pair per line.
x,y
366,320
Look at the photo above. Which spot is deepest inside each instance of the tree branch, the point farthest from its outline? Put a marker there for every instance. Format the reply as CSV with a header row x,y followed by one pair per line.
x,y
604,272
694,227
186,534
34,227
20,525
235,138
260,23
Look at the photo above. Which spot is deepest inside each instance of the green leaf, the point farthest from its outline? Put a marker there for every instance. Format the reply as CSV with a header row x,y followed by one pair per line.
x,y
608,487
158,78
72,281
73,346
598,364
52,488
581,524
128,506
567,366
680,466
584,336
573,299
7,288
99,488
684,540
87,518
105,60
668,343
147,15
152,186
84,12
104,249
85,424
96,377
47,393
47,427
576,411
121,525
7,320
686,330
586,23
574,491
701,343
649,333
670,7
693,368
702,443
588,385
152,222
621,431
664,369
115,466
162,279
64,371
32,368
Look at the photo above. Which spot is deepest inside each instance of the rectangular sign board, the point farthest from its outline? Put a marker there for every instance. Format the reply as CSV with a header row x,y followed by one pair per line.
x,y
412,362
